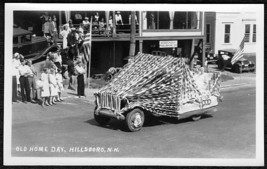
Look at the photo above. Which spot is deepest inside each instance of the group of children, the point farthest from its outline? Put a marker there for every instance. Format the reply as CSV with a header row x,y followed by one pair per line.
x,y
51,85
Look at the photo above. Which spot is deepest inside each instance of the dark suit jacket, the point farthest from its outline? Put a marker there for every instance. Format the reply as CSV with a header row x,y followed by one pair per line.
x,y
71,38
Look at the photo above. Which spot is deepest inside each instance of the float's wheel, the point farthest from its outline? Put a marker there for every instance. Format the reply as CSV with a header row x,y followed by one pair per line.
x,y
135,120
196,117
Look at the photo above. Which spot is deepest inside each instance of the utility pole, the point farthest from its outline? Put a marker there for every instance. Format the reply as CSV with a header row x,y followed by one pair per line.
x,y
132,36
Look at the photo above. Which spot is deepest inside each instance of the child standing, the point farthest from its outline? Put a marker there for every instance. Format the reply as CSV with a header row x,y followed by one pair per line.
x,y
53,86
45,93
59,79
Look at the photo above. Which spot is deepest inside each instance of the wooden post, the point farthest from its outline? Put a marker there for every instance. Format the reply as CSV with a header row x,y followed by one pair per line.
x,y
60,18
114,24
90,55
141,46
132,36
203,52
192,54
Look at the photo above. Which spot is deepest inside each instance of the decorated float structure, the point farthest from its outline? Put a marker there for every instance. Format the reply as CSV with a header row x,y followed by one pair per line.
x,y
157,85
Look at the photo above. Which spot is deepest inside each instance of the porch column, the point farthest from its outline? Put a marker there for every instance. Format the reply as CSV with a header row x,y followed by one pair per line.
x,y
107,22
171,13
192,54
203,52
141,46
114,24
60,18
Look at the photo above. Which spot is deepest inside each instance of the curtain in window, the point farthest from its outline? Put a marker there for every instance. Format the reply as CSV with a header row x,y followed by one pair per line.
x,y
67,16
171,13
194,20
144,21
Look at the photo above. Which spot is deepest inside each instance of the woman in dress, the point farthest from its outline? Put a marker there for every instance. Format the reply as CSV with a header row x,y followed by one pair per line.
x,y
64,33
53,86
45,92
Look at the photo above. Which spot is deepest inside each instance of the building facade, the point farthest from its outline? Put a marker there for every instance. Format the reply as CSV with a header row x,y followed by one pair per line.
x,y
225,30
177,33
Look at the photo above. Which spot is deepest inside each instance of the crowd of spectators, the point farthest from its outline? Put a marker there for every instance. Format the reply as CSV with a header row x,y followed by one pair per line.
x,y
47,88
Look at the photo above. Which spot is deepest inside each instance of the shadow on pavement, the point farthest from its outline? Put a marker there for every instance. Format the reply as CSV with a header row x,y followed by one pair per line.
x,y
152,121
112,125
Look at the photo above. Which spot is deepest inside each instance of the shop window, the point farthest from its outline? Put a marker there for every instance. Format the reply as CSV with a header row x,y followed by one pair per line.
x,y
164,20
152,18
186,20
254,33
227,33
171,20
247,32
207,33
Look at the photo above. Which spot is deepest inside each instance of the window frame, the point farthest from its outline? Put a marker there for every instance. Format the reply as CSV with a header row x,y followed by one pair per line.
x,y
254,33
247,38
225,33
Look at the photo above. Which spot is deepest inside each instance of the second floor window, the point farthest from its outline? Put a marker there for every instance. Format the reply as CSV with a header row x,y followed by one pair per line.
x,y
227,33
247,32
250,33
254,33
171,20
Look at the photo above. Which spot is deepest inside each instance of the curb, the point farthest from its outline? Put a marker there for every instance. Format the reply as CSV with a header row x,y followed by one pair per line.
x,y
235,85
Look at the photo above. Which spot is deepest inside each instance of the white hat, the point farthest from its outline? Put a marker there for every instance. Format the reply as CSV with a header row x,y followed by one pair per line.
x,y
16,54
86,18
73,28
118,12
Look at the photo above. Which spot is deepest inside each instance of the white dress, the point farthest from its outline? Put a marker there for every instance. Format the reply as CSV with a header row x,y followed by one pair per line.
x,y
64,34
53,85
45,92
59,82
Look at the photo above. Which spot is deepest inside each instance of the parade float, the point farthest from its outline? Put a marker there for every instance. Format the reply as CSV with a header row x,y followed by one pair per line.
x,y
159,86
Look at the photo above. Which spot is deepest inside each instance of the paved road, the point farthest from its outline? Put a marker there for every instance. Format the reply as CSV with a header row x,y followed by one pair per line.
x,y
69,130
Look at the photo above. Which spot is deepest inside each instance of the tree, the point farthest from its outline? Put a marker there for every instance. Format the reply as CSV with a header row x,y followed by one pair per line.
x,y
132,36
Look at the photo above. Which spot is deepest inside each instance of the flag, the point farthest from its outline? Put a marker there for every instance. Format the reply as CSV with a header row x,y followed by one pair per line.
x,y
87,47
239,52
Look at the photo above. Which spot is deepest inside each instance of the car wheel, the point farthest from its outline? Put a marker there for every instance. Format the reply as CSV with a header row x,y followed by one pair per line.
x,y
135,120
196,117
101,119
238,69
252,70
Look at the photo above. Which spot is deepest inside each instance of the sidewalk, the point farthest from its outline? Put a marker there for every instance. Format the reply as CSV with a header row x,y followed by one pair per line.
x,y
239,79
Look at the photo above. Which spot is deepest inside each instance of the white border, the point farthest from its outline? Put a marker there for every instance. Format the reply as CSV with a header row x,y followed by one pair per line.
x,y
258,161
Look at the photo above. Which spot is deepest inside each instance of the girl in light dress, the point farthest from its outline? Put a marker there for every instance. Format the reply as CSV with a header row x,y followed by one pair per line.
x,y
64,33
53,86
45,91
60,87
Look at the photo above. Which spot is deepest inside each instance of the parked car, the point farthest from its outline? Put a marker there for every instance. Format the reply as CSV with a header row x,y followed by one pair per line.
x,y
211,57
41,56
25,43
157,86
240,66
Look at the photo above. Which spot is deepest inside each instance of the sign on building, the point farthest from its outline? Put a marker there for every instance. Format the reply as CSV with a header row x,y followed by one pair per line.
x,y
168,44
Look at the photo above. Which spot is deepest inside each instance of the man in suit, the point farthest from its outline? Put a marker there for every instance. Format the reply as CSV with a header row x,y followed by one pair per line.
x,y
72,43
53,29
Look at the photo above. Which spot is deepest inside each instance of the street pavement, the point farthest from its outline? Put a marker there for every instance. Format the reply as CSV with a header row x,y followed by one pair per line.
x,y
68,129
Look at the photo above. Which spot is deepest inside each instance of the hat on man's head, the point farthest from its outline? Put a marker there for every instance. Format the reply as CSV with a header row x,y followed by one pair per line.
x,y
16,54
73,28
118,12
86,18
